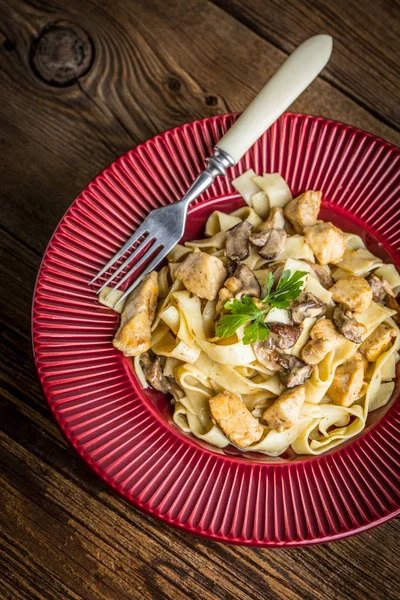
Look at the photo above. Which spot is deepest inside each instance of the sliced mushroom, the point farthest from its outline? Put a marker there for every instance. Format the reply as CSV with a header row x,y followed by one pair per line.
x,y
320,273
380,288
394,305
294,372
307,305
275,243
382,292
237,241
152,370
243,281
284,336
267,354
347,325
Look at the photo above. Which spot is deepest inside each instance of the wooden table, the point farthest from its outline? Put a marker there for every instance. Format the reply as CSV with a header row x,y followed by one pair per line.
x,y
70,103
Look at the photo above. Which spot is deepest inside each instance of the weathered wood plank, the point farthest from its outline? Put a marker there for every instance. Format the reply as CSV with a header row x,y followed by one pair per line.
x,y
365,61
156,65
64,534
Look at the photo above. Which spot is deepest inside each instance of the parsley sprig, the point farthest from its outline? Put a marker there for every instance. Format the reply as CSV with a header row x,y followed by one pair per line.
x,y
251,310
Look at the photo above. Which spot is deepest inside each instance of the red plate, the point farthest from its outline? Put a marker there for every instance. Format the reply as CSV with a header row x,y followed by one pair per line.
x,y
126,435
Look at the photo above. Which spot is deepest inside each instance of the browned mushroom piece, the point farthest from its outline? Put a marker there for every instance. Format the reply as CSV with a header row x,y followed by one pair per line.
x,y
320,273
294,372
152,371
267,354
347,324
242,280
237,241
275,243
392,303
307,305
380,288
284,336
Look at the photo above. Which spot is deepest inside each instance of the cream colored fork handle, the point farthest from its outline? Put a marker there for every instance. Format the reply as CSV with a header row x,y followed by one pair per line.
x,y
294,76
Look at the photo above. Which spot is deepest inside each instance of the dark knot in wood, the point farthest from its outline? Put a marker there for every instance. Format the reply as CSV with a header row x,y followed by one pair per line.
x,y
62,53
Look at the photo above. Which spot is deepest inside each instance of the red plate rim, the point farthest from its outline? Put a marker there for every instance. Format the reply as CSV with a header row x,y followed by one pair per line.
x,y
355,506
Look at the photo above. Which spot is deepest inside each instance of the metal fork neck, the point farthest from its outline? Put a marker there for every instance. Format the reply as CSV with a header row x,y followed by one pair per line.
x,y
216,166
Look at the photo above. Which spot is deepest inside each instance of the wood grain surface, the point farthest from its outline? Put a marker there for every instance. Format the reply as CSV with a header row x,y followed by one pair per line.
x,y
142,67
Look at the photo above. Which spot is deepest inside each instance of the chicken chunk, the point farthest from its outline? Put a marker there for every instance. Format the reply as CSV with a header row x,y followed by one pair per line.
x,y
348,380
236,421
237,241
378,342
315,350
327,242
202,274
353,292
134,334
275,220
324,338
303,210
285,411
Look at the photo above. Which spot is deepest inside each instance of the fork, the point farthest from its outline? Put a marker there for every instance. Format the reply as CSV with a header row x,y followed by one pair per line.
x,y
164,227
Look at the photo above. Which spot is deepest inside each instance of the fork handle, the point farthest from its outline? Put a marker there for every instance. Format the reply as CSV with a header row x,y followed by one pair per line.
x,y
294,76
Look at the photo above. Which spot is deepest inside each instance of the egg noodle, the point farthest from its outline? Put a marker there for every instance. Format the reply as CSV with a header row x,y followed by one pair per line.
x,y
202,365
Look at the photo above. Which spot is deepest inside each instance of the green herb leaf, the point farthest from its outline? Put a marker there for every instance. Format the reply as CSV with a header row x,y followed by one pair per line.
x,y
228,324
246,310
258,330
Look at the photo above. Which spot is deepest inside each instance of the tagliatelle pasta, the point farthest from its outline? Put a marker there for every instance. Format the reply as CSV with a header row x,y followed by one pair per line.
x,y
303,373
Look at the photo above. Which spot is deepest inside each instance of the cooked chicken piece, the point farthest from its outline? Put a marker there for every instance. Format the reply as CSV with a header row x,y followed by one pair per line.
x,y
134,334
315,350
303,210
275,220
274,245
266,354
285,411
324,338
224,295
320,273
353,292
307,305
236,421
380,288
284,336
347,325
237,241
244,281
152,371
327,242
295,371
347,382
324,329
378,342
202,274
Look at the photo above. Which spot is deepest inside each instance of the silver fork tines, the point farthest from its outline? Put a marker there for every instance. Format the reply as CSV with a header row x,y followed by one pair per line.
x,y
162,229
